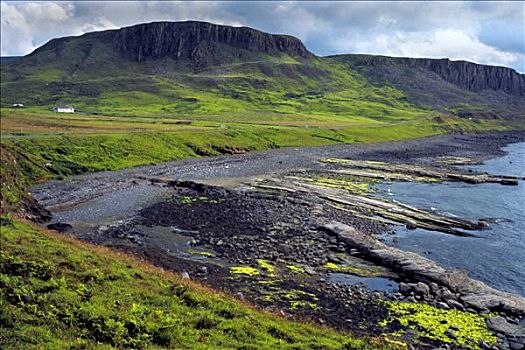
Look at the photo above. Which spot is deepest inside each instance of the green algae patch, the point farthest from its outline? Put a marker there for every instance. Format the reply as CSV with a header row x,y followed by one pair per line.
x,y
295,268
352,186
201,252
452,326
352,162
187,200
295,298
362,271
300,304
336,160
355,185
270,282
267,267
244,270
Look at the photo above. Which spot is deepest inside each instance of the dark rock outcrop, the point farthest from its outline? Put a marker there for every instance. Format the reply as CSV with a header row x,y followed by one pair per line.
x,y
467,75
472,293
60,227
198,41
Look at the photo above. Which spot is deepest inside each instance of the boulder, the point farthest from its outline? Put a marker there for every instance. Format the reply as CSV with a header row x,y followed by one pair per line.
x,y
60,227
500,325
422,288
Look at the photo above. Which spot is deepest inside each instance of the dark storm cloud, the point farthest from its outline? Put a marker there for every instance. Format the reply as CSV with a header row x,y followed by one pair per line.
x,y
486,32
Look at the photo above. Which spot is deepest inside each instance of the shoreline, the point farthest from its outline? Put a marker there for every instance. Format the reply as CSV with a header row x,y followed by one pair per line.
x,y
263,246
278,160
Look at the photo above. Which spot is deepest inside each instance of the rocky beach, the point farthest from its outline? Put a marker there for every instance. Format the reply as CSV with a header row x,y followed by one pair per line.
x,y
293,230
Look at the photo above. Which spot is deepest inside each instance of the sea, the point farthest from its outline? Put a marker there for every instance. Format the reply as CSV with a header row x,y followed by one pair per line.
x,y
497,255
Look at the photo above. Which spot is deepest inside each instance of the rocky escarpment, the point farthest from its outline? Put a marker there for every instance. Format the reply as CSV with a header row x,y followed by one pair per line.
x,y
467,75
475,77
198,41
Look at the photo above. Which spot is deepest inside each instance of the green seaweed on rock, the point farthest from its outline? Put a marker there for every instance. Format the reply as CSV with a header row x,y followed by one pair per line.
x,y
460,328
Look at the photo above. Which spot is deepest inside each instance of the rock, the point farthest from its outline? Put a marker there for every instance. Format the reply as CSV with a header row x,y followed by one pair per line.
x,y
60,227
483,345
474,294
309,270
32,210
448,296
404,288
422,288
203,269
455,305
185,276
434,288
516,346
500,325
410,299
467,75
449,334
443,305
198,42
410,226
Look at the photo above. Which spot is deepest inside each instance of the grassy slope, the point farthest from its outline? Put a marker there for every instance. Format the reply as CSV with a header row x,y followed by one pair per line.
x,y
58,293
88,74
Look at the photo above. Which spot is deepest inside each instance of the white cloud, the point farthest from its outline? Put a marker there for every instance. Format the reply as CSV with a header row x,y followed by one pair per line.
x,y
28,25
443,43
484,32
16,33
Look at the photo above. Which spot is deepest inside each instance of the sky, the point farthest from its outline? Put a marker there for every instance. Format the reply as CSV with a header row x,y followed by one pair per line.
x,y
482,32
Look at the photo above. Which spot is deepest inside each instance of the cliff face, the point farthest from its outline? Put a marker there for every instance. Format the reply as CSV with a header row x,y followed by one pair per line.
x,y
470,76
197,41
475,77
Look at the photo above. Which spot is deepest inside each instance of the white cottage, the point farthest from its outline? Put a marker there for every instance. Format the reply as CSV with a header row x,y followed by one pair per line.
x,y
63,109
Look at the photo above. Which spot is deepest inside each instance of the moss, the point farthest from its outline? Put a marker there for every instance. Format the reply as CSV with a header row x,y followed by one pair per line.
x,y
362,271
200,252
190,199
356,185
301,304
396,342
295,268
297,293
269,282
267,267
244,270
433,323
295,298
351,186
336,160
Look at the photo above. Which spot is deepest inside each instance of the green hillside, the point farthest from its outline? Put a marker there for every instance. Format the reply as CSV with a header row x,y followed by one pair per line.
x,y
257,87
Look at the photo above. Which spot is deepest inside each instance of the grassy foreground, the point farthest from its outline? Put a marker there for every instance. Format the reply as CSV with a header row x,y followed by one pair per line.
x,y
59,293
